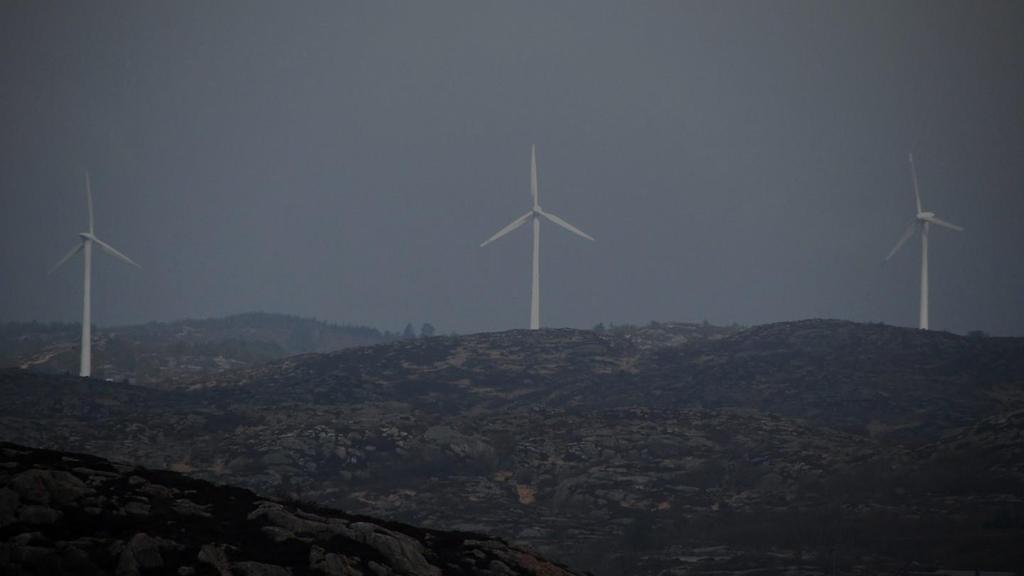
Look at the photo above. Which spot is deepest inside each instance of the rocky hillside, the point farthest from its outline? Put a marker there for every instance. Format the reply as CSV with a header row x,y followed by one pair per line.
x,y
63,513
161,354
154,353
861,378
811,446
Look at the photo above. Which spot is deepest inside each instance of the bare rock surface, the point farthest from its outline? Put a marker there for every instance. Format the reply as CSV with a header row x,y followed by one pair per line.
x,y
241,535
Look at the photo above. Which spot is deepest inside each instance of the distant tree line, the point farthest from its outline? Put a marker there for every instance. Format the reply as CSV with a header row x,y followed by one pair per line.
x,y
426,331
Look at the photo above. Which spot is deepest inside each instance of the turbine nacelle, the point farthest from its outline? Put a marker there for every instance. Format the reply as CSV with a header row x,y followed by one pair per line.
x,y
86,236
925,215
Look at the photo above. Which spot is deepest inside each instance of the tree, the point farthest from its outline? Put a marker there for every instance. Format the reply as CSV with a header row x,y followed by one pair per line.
x,y
427,330
409,331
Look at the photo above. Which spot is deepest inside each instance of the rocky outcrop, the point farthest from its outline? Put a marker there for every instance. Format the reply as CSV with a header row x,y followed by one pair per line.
x,y
90,528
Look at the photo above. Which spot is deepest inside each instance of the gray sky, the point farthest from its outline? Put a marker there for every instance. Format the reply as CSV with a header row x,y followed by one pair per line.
x,y
736,161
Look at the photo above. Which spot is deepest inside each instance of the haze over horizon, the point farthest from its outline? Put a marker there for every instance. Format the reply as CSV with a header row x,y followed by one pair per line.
x,y
736,161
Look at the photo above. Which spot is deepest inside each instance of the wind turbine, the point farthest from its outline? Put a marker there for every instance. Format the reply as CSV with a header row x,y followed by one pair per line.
x,y
922,220
85,245
535,215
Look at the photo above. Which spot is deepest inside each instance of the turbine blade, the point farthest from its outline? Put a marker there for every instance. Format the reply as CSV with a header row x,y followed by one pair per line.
x,y
69,256
913,175
940,222
903,240
566,225
533,176
515,224
88,198
110,250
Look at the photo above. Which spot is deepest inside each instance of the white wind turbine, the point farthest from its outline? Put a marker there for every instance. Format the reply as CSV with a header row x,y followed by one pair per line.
x,y
535,214
922,220
87,240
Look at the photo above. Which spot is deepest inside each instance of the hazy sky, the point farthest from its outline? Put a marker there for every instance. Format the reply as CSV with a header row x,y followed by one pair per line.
x,y
736,161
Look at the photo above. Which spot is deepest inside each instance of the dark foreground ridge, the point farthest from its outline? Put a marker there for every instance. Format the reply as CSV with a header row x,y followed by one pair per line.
x,y
63,513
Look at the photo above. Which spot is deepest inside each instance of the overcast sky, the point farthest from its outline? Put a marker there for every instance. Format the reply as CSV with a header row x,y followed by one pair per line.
x,y
736,161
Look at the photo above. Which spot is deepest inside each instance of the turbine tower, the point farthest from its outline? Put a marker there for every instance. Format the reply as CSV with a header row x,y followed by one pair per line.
x,y
922,220
535,215
85,245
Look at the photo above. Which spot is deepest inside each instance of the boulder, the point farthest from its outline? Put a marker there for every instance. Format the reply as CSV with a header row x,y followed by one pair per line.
x,y
214,555
9,501
146,550
249,568
329,563
402,552
38,515
46,486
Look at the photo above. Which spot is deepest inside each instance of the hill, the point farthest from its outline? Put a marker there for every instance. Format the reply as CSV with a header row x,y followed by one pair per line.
x,y
63,513
157,352
808,446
